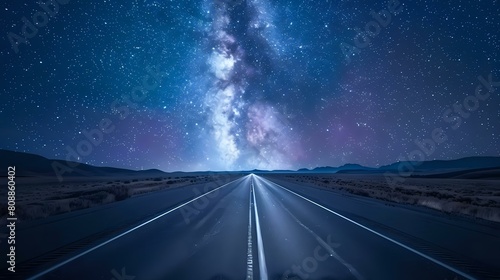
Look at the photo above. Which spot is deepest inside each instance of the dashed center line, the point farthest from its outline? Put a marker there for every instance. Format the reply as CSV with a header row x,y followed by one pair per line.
x,y
260,245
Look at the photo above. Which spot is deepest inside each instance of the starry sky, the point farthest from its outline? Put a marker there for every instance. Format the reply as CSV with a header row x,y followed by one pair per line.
x,y
243,84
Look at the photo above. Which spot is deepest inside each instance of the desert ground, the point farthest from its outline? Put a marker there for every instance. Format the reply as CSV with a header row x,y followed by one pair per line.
x,y
40,197
467,197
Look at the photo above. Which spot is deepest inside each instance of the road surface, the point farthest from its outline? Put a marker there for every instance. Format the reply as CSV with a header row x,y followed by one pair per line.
x,y
254,228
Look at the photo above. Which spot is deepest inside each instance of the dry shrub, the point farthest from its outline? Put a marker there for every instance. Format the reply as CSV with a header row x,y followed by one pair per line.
x,y
120,192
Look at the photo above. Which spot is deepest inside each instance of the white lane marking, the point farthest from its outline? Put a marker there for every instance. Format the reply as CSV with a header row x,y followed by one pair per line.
x,y
249,250
327,247
124,233
260,246
463,274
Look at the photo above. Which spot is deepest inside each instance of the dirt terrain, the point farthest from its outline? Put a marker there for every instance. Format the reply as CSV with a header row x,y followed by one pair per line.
x,y
40,197
475,198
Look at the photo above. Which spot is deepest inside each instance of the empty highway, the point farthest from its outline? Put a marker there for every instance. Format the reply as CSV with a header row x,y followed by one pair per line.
x,y
254,228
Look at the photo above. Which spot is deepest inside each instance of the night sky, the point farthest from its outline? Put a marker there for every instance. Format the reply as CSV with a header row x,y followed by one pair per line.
x,y
243,84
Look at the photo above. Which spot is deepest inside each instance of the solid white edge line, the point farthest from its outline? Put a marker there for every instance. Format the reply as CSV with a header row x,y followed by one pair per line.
x,y
327,247
463,274
122,234
260,245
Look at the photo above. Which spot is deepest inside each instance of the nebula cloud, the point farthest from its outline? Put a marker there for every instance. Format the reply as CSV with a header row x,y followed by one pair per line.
x,y
247,132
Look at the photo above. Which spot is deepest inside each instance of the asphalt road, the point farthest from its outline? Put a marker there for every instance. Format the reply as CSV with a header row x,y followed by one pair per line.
x,y
253,228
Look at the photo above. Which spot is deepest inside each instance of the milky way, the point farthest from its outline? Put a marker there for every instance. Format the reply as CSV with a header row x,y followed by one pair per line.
x,y
248,132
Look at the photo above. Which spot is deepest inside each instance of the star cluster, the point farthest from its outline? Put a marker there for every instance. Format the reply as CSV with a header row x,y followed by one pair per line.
x,y
244,84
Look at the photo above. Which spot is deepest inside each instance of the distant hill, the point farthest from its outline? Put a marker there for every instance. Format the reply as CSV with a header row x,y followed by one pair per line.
x,y
35,165
464,168
330,169
458,164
